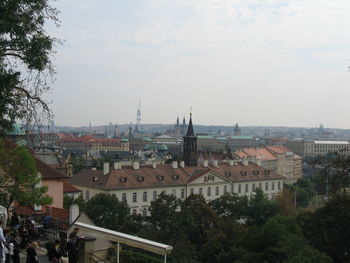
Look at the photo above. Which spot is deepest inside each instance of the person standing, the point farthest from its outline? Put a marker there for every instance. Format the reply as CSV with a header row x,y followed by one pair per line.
x,y
54,252
31,253
71,248
14,243
2,245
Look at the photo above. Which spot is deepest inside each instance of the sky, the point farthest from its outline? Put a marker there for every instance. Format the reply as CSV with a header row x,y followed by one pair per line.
x,y
255,62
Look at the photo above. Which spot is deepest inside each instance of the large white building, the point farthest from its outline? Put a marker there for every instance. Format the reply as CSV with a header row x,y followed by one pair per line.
x,y
314,148
139,186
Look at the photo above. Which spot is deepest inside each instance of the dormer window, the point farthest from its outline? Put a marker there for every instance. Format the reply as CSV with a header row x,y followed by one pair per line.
x,y
140,178
175,177
267,172
227,174
123,179
160,177
94,178
256,172
243,173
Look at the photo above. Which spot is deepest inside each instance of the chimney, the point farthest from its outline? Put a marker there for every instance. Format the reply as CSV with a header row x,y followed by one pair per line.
x,y
182,164
93,169
154,165
136,165
116,166
174,164
105,168
205,163
214,163
230,162
73,213
245,162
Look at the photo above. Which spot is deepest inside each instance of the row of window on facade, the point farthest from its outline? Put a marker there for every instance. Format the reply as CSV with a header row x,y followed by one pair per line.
x,y
208,192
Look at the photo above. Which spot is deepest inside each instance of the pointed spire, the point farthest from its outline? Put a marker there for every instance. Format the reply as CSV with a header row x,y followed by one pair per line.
x,y
190,131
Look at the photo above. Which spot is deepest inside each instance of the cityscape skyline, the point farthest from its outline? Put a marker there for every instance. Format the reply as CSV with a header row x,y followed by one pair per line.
x,y
273,63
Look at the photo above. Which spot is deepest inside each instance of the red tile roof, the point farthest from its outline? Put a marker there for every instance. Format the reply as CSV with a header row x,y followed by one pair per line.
x,y
47,172
278,149
165,175
260,153
69,188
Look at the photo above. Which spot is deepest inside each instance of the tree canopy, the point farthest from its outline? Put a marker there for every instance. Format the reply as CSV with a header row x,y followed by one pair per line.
x,y
25,60
19,179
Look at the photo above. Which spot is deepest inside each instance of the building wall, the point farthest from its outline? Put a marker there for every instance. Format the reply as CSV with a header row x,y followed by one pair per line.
x,y
55,190
313,149
210,189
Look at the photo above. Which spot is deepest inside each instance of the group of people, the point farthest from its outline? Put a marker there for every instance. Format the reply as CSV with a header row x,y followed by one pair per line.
x,y
55,252
17,240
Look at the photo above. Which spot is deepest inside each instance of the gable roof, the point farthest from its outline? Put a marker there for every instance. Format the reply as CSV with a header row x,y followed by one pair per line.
x,y
69,188
164,175
47,172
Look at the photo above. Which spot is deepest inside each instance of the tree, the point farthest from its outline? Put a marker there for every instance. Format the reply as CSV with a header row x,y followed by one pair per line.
x,y
280,239
25,60
328,228
19,179
107,211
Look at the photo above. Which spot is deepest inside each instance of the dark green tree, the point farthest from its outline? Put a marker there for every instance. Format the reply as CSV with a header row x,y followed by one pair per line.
x,y
279,240
328,228
25,60
107,211
19,179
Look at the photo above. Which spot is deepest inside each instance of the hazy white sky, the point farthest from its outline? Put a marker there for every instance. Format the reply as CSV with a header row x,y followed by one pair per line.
x,y
254,62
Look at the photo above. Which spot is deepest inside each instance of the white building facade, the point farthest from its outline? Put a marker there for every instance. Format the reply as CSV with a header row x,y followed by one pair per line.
x,y
139,186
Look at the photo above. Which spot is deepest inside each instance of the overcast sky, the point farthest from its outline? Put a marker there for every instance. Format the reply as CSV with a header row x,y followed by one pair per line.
x,y
254,62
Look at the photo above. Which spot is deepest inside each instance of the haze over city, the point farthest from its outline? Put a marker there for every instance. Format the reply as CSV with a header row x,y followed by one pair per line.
x,y
274,63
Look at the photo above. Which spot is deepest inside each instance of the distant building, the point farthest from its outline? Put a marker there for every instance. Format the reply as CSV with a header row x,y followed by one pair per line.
x,y
88,143
139,185
278,159
207,143
242,141
315,148
236,130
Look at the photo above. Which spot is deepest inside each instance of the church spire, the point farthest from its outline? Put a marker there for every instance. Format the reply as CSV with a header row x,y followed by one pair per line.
x,y
190,131
190,146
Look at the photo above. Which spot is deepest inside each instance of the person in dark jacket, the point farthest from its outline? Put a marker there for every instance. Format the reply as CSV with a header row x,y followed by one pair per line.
x,y
14,242
31,253
54,252
72,249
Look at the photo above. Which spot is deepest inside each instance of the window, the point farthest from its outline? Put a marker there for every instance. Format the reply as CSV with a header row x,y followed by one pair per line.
x,y
124,197
246,188
134,197
209,191
134,211
273,186
225,189
191,191
145,196
155,195
200,191
253,187
239,189
279,185
182,193
232,189
174,192
217,190
266,186
144,212
87,194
